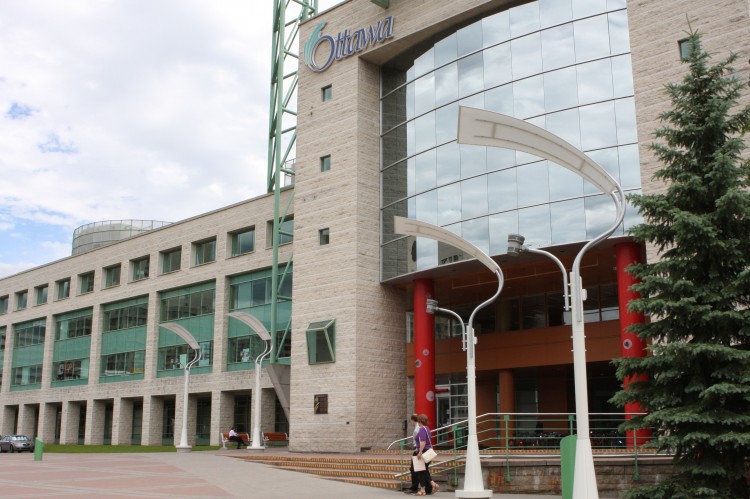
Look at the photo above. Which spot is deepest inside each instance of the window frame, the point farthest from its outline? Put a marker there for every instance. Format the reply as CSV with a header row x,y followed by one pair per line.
x,y
137,272
167,256
236,241
199,249
108,274
324,236
4,301
22,296
326,93
328,329
325,163
87,278
62,287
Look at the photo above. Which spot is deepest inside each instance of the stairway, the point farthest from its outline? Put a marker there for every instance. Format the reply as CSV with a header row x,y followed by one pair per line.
x,y
370,469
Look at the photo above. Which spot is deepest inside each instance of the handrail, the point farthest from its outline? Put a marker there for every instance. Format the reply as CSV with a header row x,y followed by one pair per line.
x,y
500,434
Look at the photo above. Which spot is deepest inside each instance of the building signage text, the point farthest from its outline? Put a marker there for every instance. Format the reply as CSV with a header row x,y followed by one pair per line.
x,y
344,44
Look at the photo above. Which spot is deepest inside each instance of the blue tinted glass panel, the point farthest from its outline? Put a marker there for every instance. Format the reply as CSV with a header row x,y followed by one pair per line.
x,y
566,125
563,183
533,184
558,49
560,90
598,126
595,82
446,84
502,192
449,204
526,56
424,94
497,65
534,224
446,51
568,221
586,8
446,121
426,171
496,28
524,19
474,197
473,160
470,75
469,39
591,38
619,37
501,225
477,232
500,100
554,12
448,163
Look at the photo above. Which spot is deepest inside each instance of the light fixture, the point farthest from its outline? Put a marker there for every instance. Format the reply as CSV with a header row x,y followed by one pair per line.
x,y
473,481
192,343
487,128
256,325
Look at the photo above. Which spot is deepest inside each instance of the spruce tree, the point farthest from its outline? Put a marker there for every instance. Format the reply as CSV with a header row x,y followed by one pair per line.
x,y
697,295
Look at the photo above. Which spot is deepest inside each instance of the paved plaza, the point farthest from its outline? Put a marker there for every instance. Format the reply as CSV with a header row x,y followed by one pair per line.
x,y
207,474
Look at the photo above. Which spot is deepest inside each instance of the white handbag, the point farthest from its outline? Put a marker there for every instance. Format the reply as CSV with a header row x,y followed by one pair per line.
x,y
429,455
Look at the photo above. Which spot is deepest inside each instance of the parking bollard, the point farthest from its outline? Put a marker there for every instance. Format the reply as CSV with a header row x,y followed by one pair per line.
x,y
38,449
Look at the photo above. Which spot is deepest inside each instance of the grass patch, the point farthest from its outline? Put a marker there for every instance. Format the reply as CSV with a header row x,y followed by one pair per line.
x,y
117,449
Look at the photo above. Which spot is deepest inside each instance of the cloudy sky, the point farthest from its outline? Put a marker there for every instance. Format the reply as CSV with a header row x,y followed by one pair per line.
x,y
118,109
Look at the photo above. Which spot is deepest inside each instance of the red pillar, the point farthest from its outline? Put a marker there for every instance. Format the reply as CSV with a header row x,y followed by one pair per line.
x,y
630,344
424,352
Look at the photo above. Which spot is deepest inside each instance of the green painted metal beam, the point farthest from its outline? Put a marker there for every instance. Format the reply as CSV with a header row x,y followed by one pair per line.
x,y
282,137
382,3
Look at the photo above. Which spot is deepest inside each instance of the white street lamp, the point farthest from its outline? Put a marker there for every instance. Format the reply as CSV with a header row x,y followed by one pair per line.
x,y
473,482
485,128
516,247
256,325
191,341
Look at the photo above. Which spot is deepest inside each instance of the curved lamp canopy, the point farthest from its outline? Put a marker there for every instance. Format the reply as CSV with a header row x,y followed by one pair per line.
x,y
182,333
487,128
253,323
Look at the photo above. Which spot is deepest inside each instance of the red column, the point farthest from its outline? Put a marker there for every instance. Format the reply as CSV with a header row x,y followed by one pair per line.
x,y
630,344
424,352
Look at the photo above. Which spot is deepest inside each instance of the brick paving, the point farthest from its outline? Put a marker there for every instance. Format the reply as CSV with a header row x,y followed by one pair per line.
x,y
206,474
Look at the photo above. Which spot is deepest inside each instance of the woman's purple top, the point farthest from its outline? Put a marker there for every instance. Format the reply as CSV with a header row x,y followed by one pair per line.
x,y
423,435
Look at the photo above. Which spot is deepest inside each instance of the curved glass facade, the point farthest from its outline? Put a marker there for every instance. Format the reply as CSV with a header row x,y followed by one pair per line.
x,y
563,65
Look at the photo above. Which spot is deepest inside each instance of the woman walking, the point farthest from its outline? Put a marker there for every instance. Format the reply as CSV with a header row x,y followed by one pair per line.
x,y
422,444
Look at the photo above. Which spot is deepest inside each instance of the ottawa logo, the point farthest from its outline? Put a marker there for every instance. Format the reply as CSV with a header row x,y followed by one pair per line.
x,y
345,44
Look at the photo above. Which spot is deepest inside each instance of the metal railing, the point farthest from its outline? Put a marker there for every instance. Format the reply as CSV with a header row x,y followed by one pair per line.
x,y
506,435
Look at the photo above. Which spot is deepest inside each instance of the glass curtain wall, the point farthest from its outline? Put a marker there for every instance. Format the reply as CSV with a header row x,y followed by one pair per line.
x,y
563,65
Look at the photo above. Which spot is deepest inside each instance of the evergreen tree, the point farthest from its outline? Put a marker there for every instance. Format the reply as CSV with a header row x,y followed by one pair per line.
x,y
697,391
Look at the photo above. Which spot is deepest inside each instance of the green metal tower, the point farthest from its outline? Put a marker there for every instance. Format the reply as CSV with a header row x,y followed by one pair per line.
x,y
282,135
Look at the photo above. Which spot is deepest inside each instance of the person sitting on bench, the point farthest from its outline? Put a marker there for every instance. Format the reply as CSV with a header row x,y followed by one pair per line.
x,y
235,438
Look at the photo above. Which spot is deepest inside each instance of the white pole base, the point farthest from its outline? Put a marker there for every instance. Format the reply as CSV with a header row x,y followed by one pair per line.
x,y
252,448
484,494
584,479
184,448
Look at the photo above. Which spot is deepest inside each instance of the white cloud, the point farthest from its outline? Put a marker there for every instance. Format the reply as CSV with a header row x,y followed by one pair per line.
x,y
115,109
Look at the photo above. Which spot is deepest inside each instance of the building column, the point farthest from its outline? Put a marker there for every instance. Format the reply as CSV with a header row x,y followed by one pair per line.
x,y
94,433
47,422
153,412
424,352
267,410
26,419
222,414
71,415
122,421
630,344
9,419
507,386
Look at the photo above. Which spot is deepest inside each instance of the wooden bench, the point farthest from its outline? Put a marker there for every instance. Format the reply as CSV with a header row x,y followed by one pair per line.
x,y
275,438
225,438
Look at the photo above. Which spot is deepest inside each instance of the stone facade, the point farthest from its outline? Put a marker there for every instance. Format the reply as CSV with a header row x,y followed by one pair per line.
x,y
22,409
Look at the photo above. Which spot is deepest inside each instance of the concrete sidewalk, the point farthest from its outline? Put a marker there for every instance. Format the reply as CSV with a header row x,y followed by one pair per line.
x,y
207,474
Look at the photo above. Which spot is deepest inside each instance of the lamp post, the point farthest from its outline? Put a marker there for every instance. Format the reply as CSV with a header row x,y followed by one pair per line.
x,y
486,128
516,247
190,340
256,325
473,482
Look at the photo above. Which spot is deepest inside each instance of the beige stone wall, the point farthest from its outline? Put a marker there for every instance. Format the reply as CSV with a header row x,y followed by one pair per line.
x,y
655,29
216,224
367,384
